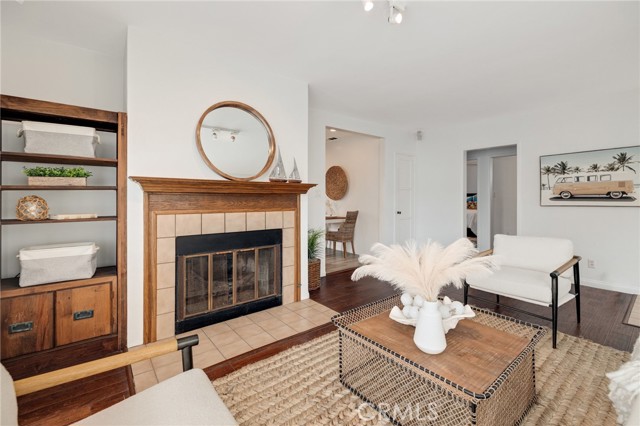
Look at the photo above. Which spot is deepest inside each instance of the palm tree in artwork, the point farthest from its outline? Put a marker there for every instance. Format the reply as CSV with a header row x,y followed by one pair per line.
x,y
611,167
623,160
562,168
547,170
576,169
595,167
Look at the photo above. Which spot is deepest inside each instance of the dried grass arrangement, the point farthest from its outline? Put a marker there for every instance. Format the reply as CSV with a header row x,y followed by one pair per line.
x,y
423,270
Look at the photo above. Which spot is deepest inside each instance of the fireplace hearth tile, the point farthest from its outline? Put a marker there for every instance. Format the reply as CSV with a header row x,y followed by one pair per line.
x,y
256,221
271,324
205,359
166,248
234,349
166,359
235,222
303,325
260,340
274,220
188,224
249,331
166,224
213,223
225,339
239,322
167,371
166,275
145,380
282,332
290,317
260,316
216,329
296,306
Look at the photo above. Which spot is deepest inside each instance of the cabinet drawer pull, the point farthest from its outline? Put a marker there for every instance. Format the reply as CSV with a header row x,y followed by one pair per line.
x,y
20,327
80,315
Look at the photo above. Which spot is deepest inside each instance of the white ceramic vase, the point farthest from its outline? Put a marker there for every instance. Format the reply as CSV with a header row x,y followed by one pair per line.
x,y
429,335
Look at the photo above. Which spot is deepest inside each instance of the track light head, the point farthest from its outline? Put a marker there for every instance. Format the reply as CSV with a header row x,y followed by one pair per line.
x,y
396,8
368,5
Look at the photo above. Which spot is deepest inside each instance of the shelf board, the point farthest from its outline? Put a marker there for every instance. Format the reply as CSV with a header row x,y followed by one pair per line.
x,y
34,222
56,188
25,157
10,287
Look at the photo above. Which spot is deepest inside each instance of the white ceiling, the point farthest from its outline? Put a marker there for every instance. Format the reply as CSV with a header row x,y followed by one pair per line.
x,y
447,62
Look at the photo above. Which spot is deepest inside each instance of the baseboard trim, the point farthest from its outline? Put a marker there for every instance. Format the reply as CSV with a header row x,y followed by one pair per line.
x,y
603,285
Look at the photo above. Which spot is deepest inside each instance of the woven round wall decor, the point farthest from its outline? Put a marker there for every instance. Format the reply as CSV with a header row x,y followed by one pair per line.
x,y
32,207
336,183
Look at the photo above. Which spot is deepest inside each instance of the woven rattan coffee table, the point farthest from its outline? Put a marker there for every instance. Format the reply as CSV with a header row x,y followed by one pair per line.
x,y
484,377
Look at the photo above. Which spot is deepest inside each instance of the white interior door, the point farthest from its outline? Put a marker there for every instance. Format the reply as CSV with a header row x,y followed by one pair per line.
x,y
504,196
404,198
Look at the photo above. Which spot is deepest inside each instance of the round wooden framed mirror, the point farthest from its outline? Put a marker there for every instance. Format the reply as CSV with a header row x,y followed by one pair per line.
x,y
235,141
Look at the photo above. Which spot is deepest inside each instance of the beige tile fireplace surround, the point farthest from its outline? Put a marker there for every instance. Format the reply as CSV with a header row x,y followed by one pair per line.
x,y
178,207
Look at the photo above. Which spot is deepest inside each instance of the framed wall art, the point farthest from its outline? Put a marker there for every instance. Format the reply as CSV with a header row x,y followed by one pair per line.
x,y
604,177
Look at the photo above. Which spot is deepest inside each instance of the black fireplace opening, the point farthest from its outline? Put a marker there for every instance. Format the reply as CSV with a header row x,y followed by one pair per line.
x,y
225,276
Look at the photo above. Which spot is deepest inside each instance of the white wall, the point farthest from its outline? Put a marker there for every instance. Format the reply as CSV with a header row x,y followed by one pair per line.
x,y
170,85
393,140
42,69
608,235
359,156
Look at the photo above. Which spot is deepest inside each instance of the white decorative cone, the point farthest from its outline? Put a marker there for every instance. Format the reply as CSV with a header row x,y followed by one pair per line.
x,y
429,335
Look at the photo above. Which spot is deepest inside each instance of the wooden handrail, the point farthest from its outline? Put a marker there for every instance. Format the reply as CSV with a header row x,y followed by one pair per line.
x,y
87,369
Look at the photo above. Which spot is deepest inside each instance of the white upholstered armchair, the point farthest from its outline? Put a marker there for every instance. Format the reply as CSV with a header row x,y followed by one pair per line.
x,y
532,269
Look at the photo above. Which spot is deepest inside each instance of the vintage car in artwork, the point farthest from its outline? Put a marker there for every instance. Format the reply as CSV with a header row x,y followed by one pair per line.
x,y
606,184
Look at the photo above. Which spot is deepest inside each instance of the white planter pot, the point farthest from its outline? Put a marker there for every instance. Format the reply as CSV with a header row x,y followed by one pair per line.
x,y
429,335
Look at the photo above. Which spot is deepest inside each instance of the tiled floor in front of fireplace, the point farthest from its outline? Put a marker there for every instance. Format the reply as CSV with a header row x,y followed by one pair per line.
x,y
234,337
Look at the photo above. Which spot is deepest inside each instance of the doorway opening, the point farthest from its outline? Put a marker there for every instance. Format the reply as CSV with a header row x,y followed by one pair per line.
x,y
491,205
357,155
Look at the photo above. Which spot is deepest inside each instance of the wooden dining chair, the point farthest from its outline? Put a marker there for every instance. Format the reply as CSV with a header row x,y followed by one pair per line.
x,y
344,233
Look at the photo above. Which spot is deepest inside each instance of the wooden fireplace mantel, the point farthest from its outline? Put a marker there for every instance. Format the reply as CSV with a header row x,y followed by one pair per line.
x,y
177,196
207,186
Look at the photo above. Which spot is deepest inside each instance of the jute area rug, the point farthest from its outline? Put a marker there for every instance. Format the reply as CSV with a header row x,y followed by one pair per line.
x,y
301,387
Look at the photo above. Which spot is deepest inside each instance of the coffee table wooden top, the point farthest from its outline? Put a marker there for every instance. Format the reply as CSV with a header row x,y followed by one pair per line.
x,y
475,356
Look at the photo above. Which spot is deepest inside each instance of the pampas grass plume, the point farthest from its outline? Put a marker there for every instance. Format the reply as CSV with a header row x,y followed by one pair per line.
x,y
423,270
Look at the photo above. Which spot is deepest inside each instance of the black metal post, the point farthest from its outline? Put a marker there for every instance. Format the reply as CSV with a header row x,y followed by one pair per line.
x,y
466,292
185,344
576,280
554,308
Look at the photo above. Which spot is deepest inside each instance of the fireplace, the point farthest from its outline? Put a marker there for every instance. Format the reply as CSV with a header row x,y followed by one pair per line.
x,y
174,208
226,275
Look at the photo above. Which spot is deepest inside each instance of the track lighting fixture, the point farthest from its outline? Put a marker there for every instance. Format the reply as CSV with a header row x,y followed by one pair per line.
x,y
396,9
368,5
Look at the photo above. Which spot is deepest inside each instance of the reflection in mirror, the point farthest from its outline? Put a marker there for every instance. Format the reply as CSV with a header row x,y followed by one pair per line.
x,y
235,141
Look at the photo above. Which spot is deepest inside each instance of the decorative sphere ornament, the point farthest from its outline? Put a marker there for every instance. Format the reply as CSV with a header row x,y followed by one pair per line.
x,y
444,311
32,207
406,299
458,307
413,312
418,301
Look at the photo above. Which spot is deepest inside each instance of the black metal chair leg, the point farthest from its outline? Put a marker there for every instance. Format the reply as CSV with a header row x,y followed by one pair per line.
x,y
466,292
554,309
576,279
497,298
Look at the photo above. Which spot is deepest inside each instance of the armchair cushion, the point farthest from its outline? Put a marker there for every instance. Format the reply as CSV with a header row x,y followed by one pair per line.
x,y
525,284
534,253
8,401
186,399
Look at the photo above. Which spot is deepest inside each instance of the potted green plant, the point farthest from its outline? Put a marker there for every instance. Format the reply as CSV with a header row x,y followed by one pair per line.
x,y
56,176
315,247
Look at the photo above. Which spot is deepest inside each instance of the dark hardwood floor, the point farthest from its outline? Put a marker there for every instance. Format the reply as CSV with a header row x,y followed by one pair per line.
x,y
602,315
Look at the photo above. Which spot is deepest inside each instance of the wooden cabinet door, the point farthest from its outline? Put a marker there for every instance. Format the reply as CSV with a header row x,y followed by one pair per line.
x,y
83,313
27,324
